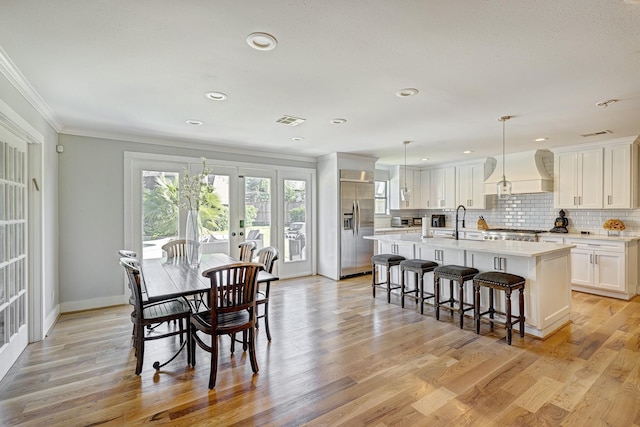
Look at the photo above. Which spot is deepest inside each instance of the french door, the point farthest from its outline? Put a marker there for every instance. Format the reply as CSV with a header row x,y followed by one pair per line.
x,y
261,204
13,249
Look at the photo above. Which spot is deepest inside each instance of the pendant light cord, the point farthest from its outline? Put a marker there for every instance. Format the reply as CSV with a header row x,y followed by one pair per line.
x,y
504,119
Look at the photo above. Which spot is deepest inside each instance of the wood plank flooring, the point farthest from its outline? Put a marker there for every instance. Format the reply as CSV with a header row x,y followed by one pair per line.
x,y
338,357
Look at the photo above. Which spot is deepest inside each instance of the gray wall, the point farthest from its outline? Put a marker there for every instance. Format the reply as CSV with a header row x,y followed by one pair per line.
x,y
48,179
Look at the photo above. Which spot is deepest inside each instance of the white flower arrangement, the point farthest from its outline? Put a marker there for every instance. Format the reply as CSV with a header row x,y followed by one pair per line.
x,y
196,188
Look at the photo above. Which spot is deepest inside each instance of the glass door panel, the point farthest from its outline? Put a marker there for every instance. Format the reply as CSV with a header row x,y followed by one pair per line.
x,y
295,236
257,210
214,214
159,211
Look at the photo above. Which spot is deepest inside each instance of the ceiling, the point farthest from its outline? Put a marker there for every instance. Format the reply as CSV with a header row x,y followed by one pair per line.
x,y
140,70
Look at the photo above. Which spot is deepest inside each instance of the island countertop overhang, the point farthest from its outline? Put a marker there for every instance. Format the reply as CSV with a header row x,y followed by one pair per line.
x,y
505,247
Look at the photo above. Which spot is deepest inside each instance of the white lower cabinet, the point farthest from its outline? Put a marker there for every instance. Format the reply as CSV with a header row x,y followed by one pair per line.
x,y
599,267
397,248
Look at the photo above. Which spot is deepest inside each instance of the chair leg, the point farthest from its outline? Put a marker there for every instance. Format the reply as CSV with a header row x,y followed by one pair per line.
x,y
139,348
476,306
436,291
373,280
192,344
521,304
244,340
508,314
252,350
266,320
233,343
214,361
461,302
402,289
420,279
389,285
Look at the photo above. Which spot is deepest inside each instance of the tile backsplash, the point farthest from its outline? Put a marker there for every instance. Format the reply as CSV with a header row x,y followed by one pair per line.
x,y
534,211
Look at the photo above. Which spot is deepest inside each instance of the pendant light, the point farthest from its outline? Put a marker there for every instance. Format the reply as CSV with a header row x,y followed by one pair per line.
x,y
503,188
405,192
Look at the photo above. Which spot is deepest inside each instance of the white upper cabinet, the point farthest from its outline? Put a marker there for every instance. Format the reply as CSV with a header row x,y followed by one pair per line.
x,y
601,176
425,188
470,184
398,179
620,176
578,179
443,188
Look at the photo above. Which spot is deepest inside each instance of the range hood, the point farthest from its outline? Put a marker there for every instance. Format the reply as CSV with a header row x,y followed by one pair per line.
x,y
525,170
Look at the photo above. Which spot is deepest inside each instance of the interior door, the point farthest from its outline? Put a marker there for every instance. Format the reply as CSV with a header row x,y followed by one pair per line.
x,y
13,250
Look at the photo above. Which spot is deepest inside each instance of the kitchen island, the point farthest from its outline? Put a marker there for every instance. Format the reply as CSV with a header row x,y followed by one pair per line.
x,y
545,266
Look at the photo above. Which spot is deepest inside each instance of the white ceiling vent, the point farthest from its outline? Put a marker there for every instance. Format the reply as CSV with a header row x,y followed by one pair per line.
x,y
602,132
290,120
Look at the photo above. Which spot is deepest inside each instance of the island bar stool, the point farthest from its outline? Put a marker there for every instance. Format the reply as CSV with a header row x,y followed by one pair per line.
x,y
458,274
387,261
503,282
420,267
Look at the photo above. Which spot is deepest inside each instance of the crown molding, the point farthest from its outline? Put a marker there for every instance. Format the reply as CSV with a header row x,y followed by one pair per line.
x,y
20,82
182,143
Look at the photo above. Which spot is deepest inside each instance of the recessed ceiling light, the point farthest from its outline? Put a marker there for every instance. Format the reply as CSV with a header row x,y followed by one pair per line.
x,y
467,151
297,138
426,159
194,122
541,139
262,41
403,93
338,121
216,96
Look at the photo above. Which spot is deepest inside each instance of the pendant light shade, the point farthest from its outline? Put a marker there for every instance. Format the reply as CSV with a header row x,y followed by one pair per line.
x,y
503,188
405,192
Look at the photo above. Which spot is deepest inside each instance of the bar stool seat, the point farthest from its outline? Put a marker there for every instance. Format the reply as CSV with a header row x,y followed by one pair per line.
x,y
503,282
454,273
420,267
387,261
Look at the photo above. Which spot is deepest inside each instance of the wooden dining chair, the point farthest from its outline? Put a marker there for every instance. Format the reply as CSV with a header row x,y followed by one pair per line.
x,y
246,251
153,313
267,257
232,310
174,248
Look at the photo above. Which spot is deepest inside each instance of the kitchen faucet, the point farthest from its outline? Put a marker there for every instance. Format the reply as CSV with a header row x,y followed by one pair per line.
x,y
464,215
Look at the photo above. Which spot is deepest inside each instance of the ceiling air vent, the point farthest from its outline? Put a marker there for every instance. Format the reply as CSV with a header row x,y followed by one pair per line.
x,y
290,120
602,132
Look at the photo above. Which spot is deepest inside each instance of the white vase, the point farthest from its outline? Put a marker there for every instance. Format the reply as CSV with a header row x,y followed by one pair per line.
x,y
193,245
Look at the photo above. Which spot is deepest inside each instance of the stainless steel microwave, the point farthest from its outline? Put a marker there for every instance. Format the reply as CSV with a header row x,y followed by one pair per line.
x,y
397,221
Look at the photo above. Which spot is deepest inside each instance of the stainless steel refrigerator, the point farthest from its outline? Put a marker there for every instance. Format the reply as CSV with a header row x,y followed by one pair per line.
x,y
357,207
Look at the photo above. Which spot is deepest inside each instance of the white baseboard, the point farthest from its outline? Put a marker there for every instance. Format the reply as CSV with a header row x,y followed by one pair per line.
x,y
51,320
89,304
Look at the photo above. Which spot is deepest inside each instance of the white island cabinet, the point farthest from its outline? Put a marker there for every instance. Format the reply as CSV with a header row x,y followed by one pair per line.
x,y
545,266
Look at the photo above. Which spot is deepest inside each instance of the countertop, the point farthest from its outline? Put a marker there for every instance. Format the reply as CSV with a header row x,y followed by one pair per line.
x,y
504,247
593,237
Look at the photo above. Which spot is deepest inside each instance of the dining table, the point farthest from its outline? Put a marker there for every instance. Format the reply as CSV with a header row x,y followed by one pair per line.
x,y
173,277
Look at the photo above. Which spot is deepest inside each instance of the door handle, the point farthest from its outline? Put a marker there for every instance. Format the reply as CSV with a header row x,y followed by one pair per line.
x,y
241,233
233,233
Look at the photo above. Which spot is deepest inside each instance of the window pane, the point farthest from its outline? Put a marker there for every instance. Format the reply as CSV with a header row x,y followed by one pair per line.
x,y
295,220
215,216
159,211
381,200
257,211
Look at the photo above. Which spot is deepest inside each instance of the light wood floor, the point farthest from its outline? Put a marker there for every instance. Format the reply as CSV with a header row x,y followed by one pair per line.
x,y
339,357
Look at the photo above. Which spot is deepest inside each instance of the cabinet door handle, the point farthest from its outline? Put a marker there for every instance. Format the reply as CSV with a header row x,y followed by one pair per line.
x,y
609,199
574,201
503,264
590,258
579,200
596,257
495,259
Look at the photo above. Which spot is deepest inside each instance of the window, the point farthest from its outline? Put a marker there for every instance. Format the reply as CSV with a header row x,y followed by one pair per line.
x,y
382,198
